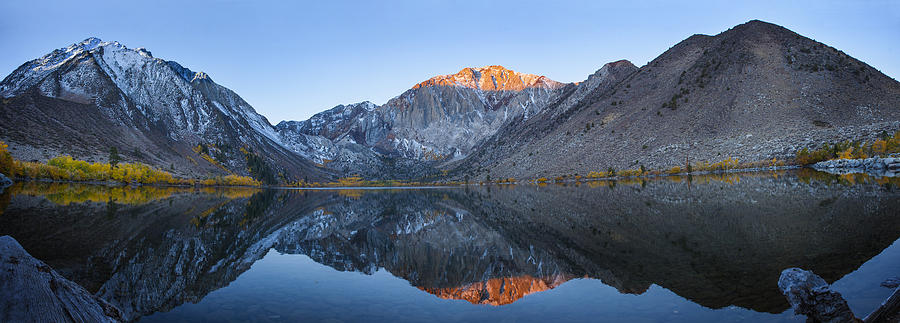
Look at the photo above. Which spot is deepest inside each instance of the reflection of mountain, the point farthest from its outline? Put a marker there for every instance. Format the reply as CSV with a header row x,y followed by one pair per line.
x,y
498,291
153,256
717,244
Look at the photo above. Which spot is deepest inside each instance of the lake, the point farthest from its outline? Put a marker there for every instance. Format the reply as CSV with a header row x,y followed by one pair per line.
x,y
677,249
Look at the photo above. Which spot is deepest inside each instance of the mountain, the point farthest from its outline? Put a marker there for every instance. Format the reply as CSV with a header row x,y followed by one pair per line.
x,y
437,120
755,92
93,95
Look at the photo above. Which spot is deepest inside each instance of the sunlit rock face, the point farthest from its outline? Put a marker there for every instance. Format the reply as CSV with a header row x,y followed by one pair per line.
x,y
491,78
438,120
444,117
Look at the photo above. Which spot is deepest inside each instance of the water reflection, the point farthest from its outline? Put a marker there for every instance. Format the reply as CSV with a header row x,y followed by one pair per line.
x,y
716,240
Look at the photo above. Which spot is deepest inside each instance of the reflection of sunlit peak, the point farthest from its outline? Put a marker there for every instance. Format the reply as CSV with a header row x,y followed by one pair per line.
x,y
351,193
499,291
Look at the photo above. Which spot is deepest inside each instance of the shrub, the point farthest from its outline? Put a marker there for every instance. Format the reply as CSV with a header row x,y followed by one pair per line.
x,y
6,160
68,168
114,158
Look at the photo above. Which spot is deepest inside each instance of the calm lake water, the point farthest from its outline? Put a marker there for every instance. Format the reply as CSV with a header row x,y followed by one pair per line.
x,y
672,250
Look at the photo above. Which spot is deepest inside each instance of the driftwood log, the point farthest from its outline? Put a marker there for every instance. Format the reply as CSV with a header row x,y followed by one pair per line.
x,y
31,291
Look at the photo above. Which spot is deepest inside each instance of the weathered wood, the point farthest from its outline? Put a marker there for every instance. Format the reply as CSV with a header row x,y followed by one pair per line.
x,y
891,306
810,295
31,291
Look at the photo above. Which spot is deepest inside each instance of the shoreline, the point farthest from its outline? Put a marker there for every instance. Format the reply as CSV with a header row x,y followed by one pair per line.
x,y
889,167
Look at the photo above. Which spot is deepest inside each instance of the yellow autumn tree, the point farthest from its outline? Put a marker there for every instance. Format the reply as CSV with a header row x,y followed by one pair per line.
x,y
6,160
846,154
879,146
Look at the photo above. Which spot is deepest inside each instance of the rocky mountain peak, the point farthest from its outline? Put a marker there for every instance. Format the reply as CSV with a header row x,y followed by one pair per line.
x,y
758,25
620,63
624,66
491,78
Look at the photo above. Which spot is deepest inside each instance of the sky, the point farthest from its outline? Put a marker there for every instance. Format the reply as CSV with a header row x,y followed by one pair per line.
x,y
292,59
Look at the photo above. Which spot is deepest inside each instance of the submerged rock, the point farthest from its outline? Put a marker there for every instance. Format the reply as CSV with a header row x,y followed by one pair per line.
x,y
810,295
5,181
892,282
31,291
888,167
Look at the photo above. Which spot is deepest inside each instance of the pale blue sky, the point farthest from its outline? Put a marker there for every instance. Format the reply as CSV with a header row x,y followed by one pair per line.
x,y
292,59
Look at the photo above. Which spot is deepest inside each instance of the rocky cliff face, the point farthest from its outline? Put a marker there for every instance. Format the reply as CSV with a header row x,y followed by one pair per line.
x,y
754,92
93,95
443,117
436,121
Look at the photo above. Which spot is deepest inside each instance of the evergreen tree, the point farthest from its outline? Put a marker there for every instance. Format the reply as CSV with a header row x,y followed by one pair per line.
x,y
114,157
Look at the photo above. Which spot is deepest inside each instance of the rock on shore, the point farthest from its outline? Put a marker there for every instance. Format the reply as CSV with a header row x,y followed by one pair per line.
x,y
5,181
810,295
31,291
889,166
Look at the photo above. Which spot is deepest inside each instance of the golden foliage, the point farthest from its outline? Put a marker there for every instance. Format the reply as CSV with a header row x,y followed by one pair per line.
x,y
69,169
351,193
6,160
849,150
350,181
846,154
65,194
880,146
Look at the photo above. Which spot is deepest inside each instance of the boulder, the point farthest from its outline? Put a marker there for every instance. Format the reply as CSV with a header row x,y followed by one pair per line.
x,y
892,282
5,181
31,291
810,295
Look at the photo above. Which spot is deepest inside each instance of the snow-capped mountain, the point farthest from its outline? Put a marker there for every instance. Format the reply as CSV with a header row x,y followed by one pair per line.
x,y
100,94
93,95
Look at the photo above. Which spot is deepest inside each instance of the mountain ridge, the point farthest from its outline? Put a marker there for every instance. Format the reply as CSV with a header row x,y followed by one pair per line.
x,y
756,91
148,108
490,78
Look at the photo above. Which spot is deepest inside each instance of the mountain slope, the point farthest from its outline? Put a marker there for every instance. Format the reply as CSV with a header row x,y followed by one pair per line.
x,y
93,95
755,92
435,121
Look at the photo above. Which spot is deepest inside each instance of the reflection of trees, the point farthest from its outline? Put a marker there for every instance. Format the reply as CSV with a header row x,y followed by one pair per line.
x,y
722,242
65,194
5,195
